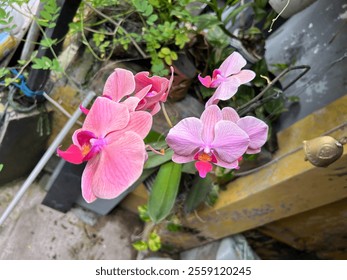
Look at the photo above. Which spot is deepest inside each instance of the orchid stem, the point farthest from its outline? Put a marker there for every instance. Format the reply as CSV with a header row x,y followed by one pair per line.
x,y
167,118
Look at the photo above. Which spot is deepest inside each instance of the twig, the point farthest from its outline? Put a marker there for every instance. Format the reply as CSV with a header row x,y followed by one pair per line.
x,y
276,18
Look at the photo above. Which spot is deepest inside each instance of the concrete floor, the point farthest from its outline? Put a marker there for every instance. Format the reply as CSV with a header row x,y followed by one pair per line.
x,y
37,232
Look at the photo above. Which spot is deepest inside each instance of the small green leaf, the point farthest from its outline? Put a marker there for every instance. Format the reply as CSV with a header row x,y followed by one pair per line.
x,y
198,193
154,242
140,245
1,166
164,191
143,213
155,160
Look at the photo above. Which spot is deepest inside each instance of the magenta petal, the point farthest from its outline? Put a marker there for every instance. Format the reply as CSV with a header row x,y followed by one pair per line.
x,y
106,116
230,141
119,84
84,110
209,118
73,154
257,131
245,76
185,137
232,64
205,81
115,168
84,137
230,114
203,167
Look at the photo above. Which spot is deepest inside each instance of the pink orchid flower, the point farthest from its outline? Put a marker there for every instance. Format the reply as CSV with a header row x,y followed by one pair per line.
x,y
111,141
256,129
139,92
208,140
227,78
151,91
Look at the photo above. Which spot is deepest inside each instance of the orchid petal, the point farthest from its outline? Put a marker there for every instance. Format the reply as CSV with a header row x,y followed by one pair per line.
x,y
209,118
84,110
140,122
185,137
182,159
156,108
131,102
245,76
164,96
205,81
225,91
74,137
73,154
203,167
119,84
257,131
230,114
106,116
228,165
232,64
230,141
115,168
142,93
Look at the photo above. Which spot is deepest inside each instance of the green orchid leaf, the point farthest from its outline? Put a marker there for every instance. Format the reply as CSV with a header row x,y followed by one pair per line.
x,y
155,160
164,191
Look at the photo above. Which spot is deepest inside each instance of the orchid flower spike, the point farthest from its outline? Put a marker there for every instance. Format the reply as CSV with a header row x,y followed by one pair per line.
x,y
227,78
111,141
208,140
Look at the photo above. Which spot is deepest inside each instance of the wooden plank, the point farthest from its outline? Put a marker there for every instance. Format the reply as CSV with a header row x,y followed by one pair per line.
x,y
321,230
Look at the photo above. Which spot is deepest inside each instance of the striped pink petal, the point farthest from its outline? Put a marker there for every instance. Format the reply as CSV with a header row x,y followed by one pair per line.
x,y
119,84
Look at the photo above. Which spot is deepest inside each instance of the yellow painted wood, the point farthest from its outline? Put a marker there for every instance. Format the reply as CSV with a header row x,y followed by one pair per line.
x,y
321,230
285,188
137,198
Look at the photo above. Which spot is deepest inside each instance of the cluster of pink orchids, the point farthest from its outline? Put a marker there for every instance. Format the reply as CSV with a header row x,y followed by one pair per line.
x,y
111,138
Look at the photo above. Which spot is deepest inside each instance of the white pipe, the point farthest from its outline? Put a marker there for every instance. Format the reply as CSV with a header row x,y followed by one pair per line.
x,y
50,151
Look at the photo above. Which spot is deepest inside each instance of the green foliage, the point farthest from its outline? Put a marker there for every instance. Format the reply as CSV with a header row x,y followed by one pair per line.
x,y
1,166
46,63
164,191
49,13
140,245
154,242
143,213
154,160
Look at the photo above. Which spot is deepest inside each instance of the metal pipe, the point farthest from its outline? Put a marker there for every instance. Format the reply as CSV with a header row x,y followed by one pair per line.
x,y
50,151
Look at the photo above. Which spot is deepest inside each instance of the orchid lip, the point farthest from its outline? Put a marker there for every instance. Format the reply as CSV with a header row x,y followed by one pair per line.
x,y
96,146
